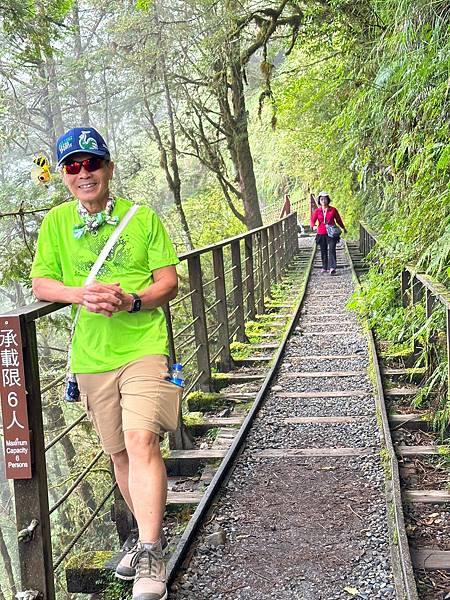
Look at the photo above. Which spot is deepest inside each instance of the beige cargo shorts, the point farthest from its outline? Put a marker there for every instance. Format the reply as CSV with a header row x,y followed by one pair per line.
x,y
137,396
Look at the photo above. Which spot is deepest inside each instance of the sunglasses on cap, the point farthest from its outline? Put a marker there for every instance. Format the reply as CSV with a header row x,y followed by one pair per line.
x,y
90,164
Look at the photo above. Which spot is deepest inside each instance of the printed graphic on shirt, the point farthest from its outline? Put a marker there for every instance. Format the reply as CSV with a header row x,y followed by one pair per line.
x,y
118,258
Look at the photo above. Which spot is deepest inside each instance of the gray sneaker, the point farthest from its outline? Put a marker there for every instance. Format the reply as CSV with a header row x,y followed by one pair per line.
x,y
150,580
124,569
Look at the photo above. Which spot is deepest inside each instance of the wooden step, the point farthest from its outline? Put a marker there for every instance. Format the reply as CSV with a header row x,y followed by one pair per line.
x,y
408,372
265,346
328,323
296,452
274,316
308,310
410,421
325,420
407,451
401,391
215,422
196,454
333,394
175,498
238,377
245,396
270,305
427,496
430,559
343,334
251,360
267,335
326,357
327,296
323,374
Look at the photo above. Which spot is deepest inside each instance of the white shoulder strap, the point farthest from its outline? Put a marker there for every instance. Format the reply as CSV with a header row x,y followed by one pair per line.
x,y
110,243
103,254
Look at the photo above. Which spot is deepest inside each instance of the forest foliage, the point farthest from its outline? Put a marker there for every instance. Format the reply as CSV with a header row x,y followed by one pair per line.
x,y
213,111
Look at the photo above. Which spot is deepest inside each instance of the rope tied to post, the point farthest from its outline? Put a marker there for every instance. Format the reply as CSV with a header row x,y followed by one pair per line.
x,y
27,534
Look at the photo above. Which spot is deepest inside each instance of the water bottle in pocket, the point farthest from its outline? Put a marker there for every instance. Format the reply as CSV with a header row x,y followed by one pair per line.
x,y
176,374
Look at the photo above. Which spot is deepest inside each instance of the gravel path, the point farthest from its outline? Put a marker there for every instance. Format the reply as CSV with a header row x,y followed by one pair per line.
x,y
303,527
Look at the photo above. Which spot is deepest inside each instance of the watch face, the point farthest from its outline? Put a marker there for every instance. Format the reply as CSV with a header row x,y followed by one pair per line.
x,y
137,304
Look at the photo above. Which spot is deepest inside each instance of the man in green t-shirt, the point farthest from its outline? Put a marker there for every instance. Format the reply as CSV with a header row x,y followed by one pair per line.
x,y
119,347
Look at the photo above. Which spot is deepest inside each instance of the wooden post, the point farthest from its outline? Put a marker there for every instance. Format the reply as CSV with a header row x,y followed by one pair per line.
x,y
429,303
265,262
361,240
286,232
405,285
172,353
280,249
260,260
223,334
238,292
272,255
177,439
200,325
250,274
448,352
31,495
294,236
417,290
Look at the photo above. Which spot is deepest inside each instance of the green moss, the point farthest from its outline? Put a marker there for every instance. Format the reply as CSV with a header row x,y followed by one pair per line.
x,y
89,560
193,418
402,350
379,417
391,511
444,451
240,351
204,401
386,463
165,448
243,407
115,588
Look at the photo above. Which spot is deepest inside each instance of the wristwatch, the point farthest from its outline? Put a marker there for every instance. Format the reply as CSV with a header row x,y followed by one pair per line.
x,y
137,303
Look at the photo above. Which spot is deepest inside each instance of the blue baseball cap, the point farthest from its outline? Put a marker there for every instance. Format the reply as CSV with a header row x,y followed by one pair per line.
x,y
80,139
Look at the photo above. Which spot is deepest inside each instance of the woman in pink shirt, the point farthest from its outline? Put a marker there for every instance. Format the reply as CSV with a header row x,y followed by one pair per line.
x,y
326,215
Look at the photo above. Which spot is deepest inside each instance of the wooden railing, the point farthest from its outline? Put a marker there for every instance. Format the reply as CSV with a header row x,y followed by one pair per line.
x,y
367,238
221,287
416,287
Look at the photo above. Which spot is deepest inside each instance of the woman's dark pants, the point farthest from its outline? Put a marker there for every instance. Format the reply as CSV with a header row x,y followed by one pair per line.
x,y
327,251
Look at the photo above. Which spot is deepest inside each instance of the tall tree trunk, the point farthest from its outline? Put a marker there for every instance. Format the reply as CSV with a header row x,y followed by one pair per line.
x,y
234,117
81,89
243,154
110,130
54,93
51,136
176,181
